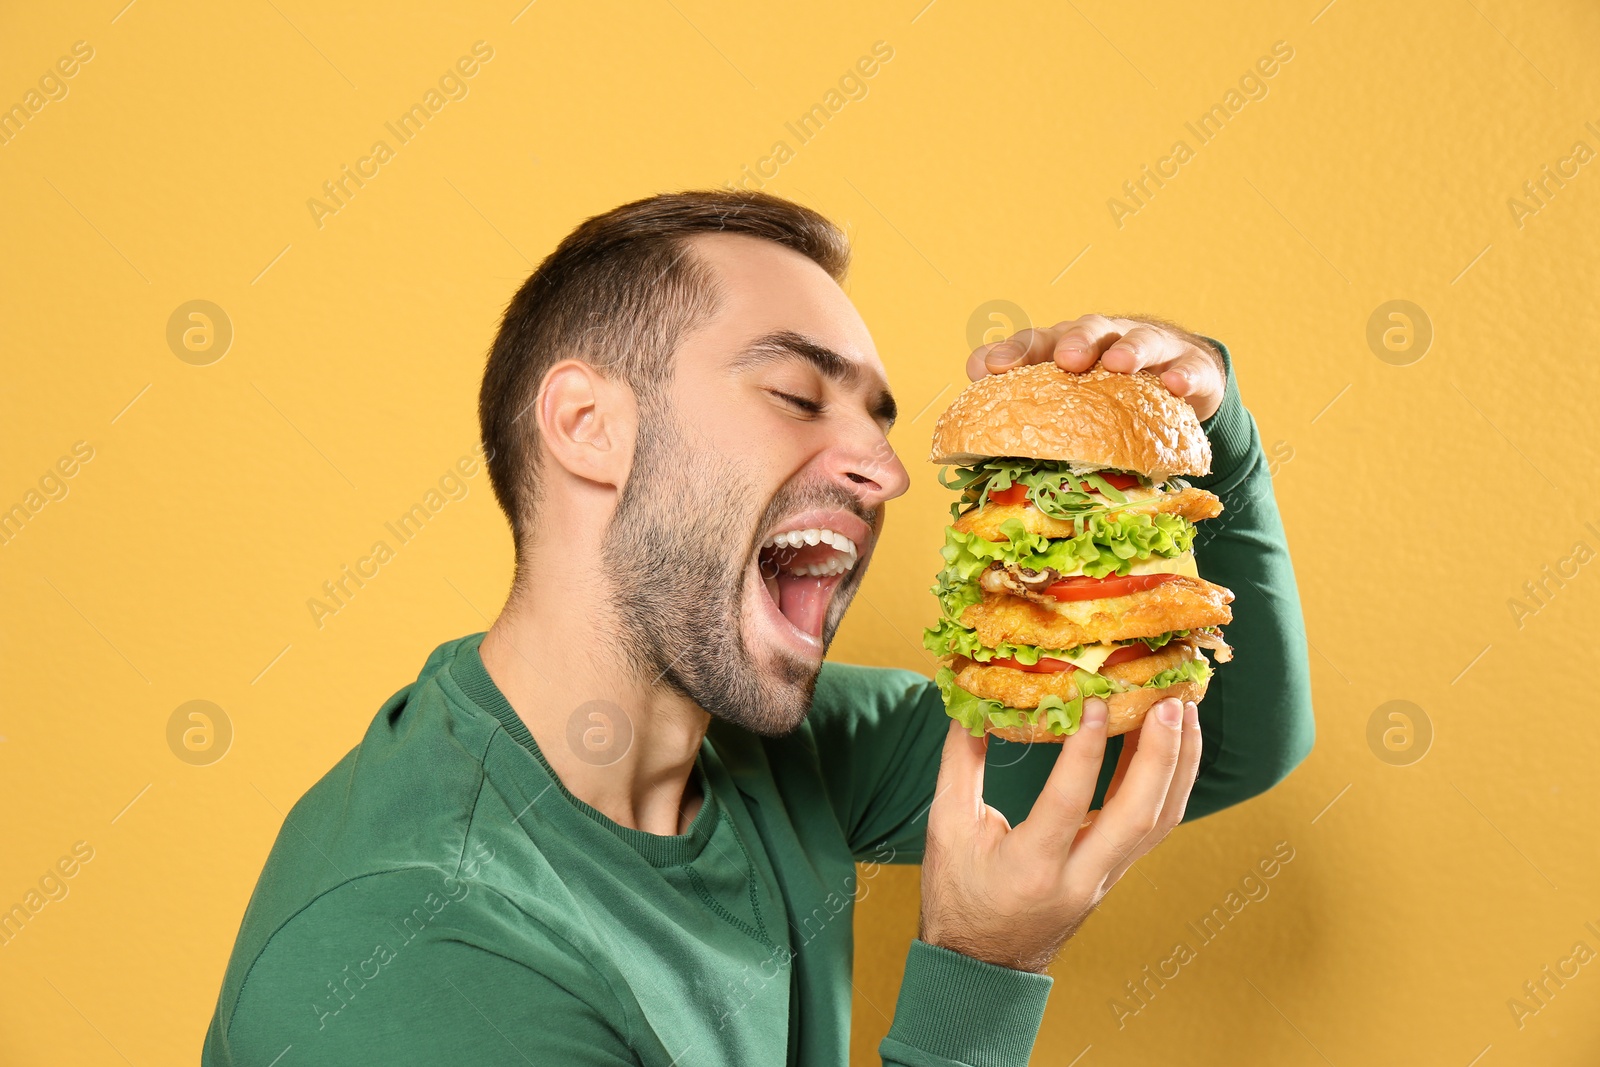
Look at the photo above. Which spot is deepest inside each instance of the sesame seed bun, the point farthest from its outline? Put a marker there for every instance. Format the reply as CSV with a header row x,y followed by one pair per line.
x,y
1099,418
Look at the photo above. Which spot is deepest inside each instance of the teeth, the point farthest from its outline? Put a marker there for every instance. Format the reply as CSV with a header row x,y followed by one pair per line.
x,y
827,569
816,536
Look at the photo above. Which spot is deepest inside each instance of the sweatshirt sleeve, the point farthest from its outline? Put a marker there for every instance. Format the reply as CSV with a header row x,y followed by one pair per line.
x,y
1256,720
879,734
956,1011
353,978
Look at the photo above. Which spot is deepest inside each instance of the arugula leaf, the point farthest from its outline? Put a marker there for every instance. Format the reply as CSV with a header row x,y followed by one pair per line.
x,y
1057,488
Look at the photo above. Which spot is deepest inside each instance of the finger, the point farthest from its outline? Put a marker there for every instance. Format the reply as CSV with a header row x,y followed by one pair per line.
x,y
1081,342
1136,809
1032,345
1195,377
1059,810
958,793
1142,347
1177,801
1130,745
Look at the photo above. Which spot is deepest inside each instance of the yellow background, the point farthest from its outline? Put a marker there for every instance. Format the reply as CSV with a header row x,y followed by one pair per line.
x,y
978,166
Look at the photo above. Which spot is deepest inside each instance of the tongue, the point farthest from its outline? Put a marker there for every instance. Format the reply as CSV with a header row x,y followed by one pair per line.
x,y
804,601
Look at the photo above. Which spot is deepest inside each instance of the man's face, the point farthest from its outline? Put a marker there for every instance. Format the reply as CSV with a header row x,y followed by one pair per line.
x,y
757,490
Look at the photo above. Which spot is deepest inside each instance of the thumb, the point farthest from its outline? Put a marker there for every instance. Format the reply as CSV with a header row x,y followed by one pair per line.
x,y
958,794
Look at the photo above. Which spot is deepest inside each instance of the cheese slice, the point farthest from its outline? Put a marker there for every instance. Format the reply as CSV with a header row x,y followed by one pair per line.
x,y
1183,564
1092,656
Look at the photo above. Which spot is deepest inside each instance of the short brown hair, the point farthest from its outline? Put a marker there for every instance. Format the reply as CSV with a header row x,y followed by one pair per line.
x,y
619,293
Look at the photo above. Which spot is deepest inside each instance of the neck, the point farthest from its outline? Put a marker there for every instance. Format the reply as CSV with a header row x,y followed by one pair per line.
x,y
620,742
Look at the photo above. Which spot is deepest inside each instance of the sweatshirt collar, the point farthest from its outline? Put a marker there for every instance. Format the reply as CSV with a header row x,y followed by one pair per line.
x,y
467,670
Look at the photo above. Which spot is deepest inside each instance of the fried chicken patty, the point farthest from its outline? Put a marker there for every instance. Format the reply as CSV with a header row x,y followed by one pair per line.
x,y
1024,689
1181,603
1192,504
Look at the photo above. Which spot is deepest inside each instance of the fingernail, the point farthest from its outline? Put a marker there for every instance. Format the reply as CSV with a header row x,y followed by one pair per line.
x,y
1003,356
1191,714
1094,712
1169,712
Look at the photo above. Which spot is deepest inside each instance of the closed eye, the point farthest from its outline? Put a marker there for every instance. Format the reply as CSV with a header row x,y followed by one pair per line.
x,y
810,407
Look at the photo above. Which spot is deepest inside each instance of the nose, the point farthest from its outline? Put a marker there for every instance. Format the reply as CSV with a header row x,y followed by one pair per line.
x,y
871,470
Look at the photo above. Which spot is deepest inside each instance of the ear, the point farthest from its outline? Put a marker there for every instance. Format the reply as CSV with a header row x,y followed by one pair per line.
x,y
588,422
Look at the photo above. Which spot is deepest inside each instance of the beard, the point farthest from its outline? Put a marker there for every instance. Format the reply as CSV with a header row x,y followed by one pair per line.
x,y
677,587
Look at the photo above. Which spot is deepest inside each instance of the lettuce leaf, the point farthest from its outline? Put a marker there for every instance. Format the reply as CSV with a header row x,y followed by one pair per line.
x,y
1062,717
977,713
1190,670
1106,545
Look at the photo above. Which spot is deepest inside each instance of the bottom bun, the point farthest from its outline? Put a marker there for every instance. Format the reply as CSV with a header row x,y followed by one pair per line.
x,y
1124,712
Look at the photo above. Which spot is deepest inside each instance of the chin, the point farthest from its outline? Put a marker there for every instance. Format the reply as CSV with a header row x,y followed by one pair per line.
x,y
784,659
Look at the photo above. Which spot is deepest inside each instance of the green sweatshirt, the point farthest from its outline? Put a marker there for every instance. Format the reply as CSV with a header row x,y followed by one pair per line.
x,y
439,897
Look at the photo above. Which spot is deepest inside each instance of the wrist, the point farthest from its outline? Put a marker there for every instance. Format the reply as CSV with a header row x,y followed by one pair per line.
x,y
1012,958
1230,429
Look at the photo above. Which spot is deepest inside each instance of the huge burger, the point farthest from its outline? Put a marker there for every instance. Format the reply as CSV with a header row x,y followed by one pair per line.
x,y
1069,565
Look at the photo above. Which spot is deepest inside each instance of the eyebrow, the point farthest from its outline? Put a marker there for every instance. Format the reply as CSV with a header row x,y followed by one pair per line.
x,y
785,345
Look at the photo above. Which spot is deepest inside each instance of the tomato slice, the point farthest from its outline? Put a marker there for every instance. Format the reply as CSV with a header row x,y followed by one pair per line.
x,y
1125,653
1046,665
1081,587
1120,481
1017,493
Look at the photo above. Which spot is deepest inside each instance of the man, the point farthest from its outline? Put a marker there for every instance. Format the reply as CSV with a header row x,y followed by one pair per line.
x,y
622,826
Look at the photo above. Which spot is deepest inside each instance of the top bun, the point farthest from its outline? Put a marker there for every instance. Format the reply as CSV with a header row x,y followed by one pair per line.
x,y
1097,419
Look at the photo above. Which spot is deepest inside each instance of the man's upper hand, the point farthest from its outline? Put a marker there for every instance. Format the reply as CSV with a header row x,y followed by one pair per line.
x,y
1187,365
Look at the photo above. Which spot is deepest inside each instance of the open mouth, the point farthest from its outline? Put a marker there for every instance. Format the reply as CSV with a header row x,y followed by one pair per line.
x,y
801,565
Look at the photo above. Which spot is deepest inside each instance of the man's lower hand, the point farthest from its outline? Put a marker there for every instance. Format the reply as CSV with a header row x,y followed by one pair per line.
x,y
1013,896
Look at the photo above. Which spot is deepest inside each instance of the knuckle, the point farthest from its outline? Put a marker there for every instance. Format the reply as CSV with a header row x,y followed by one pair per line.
x,y
1144,824
1084,890
1169,820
